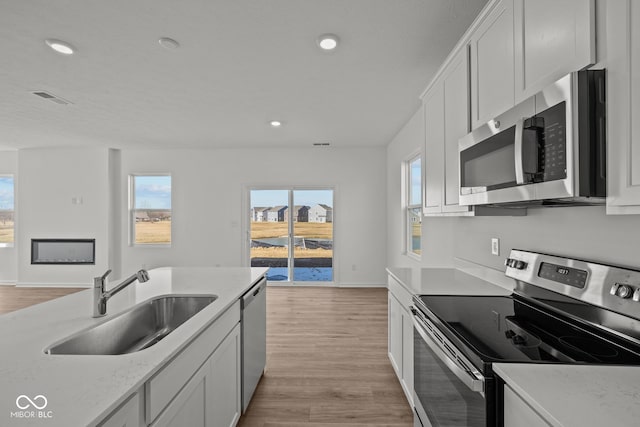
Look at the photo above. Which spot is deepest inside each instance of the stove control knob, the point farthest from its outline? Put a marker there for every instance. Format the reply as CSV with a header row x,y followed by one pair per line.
x,y
636,295
624,291
520,265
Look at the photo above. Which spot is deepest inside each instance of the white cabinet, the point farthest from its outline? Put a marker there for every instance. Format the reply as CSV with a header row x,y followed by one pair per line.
x,y
517,413
227,382
492,64
189,407
433,105
400,335
211,398
521,46
553,38
623,103
129,414
446,109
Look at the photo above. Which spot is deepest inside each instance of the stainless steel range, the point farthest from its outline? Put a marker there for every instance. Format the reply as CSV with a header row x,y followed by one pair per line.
x,y
562,311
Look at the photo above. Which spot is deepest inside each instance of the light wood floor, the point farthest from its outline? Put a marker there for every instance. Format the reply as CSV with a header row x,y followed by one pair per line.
x,y
327,363
13,298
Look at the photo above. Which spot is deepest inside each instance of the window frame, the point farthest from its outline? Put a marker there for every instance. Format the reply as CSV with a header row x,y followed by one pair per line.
x,y
13,178
410,204
132,211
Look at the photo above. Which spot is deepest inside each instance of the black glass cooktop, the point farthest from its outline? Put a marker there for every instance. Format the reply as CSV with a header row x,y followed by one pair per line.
x,y
510,329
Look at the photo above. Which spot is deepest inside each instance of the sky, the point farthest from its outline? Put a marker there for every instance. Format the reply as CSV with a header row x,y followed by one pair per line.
x,y
6,192
270,198
416,182
152,192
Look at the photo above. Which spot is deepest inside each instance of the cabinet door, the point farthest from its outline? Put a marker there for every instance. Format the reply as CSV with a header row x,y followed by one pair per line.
x,y
434,148
553,38
129,414
395,335
623,104
518,414
191,405
492,64
226,381
456,125
407,355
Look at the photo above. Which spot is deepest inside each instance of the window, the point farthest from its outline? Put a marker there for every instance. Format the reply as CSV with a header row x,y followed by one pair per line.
x,y
414,205
6,211
150,209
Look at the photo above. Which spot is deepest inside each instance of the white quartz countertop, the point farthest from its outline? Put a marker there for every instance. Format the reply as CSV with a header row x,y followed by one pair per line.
x,y
82,390
444,281
577,395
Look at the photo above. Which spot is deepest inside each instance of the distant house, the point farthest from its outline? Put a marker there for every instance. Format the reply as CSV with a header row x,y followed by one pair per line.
x,y
142,216
277,214
320,213
259,213
300,214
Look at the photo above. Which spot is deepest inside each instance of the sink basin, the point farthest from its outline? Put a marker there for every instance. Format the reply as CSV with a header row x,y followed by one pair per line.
x,y
137,328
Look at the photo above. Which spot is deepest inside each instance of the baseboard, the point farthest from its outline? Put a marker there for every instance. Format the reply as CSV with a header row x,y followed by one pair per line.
x,y
52,285
7,283
327,285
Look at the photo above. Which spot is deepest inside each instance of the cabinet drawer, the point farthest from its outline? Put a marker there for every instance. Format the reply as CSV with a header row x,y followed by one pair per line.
x,y
402,295
166,384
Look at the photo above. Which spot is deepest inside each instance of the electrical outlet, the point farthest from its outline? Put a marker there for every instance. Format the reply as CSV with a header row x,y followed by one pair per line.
x,y
495,246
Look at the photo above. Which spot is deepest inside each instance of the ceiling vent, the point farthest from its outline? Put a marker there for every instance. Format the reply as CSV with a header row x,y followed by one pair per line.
x,y
51,97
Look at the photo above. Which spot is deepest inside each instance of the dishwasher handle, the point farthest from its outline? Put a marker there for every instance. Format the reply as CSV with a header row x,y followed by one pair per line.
x,y
254,292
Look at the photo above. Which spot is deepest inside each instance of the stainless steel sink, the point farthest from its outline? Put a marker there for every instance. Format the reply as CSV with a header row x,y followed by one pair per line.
x,y
136,329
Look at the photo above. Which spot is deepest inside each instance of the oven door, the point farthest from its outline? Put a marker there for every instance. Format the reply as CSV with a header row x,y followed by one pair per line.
x,y
448,390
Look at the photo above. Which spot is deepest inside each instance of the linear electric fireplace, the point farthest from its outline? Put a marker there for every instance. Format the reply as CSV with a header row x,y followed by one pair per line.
x,y
63,251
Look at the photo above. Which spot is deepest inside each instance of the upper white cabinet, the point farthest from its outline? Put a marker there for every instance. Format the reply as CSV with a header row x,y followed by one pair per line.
x,y
492,64
446,109
552,38
433,105
623,103
520,46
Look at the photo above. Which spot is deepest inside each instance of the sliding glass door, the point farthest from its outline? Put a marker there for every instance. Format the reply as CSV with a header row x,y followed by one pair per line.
x,y
295,243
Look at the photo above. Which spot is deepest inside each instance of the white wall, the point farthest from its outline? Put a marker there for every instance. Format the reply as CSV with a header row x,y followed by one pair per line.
x,y
437,241
48,180
8,256
208,187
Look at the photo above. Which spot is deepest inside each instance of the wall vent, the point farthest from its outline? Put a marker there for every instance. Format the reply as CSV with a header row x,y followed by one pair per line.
x,y
51,97
321,144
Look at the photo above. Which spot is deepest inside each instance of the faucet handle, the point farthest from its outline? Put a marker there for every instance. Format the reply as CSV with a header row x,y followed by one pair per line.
x,y
104,276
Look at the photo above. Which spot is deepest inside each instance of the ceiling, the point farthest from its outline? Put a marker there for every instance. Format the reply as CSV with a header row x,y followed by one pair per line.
x,y
241,63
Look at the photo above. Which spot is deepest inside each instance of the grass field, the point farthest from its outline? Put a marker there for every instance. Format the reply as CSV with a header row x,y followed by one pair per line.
x,y
316,230
153,232
6,232
311,230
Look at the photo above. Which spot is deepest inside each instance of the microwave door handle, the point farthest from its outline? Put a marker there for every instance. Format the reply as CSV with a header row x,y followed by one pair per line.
x,y
518,152
475,382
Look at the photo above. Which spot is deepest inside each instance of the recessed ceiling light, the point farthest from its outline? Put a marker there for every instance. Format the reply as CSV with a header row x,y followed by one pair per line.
x,y
168,43
60,46
275,123
328,41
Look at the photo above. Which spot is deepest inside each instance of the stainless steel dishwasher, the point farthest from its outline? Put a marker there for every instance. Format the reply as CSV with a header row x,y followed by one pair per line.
x,y
254,339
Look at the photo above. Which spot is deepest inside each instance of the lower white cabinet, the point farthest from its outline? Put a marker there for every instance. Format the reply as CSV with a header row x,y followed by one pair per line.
x,y
129,414
211,398
400,336
517,413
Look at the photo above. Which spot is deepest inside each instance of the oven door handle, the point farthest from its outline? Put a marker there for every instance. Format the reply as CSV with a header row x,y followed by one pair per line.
x,y
473,380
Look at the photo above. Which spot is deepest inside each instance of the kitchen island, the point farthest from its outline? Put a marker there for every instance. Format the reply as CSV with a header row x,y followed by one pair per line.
x,y
79,390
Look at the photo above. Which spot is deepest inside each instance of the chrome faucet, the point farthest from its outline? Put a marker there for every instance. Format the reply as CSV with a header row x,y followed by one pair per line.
x,y
100,296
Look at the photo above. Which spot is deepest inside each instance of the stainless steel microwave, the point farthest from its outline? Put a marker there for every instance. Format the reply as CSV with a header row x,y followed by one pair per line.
x,y
549,149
